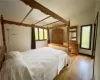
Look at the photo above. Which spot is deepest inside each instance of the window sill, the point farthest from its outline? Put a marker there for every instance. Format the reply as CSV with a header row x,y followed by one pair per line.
x,y
41,40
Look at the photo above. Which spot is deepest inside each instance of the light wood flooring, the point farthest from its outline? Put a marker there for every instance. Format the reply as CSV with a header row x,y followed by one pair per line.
x,y
80,69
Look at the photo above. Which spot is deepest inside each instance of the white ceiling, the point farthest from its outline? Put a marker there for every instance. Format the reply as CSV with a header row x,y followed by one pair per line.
x,y
16,10
67,8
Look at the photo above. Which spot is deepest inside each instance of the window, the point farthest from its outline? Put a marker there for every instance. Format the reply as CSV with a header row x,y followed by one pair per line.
x,y
36,34
85,36
40,34
45,33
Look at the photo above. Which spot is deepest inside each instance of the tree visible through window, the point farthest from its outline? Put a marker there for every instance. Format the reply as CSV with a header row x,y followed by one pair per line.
x,y
86,36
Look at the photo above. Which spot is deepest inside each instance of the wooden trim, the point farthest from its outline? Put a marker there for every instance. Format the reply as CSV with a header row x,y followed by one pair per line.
x,y
42,20
89,36
34,4
27,15
73,31
73,27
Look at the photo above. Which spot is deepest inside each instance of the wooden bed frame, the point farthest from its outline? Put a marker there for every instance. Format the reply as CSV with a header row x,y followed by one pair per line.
x,y
2,54
32,4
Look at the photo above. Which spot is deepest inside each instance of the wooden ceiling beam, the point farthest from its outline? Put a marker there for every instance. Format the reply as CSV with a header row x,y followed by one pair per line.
x,y
22,24
42,20
27,15
57,26
34,4
50,23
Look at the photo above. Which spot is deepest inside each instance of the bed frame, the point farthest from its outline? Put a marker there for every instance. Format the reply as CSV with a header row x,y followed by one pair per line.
x,y
2,53
36,5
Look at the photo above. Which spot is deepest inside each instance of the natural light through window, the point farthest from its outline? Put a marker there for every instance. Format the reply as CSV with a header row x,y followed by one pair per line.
x,y
40,34
45,34
85,37
36,33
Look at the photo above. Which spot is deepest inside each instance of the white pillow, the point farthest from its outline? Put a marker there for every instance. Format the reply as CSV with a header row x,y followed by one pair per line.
x,y
13,55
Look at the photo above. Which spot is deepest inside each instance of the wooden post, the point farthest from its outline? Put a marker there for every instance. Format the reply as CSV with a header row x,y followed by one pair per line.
x,y
48,35
68,36
3,33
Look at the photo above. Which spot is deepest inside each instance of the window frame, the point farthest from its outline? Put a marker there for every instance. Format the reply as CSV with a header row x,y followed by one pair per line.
x,y
39,35
90,37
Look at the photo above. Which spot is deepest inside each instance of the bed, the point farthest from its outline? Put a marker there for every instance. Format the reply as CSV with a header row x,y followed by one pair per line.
x,y
38,64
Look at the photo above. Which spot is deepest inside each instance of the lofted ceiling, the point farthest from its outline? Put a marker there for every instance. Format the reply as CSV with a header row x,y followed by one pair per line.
x,y
67,8
16,10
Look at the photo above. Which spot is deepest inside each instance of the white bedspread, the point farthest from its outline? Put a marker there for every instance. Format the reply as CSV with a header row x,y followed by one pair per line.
x,y
15,69
41,64
45,63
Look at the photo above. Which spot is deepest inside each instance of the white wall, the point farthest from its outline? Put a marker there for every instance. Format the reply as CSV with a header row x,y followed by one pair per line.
x,y
18,38
97,54
40,44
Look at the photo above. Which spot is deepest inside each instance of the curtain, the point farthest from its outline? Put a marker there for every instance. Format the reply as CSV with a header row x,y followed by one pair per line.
x,y
48,35
33,43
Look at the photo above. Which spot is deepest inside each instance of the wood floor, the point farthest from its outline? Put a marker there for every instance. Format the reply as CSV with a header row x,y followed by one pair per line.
x,y
80,69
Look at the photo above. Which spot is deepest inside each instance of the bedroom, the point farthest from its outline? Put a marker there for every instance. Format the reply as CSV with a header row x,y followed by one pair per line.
x,y
18,38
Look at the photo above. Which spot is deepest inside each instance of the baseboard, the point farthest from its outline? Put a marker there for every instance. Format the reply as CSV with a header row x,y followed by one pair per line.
x,y
86,55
